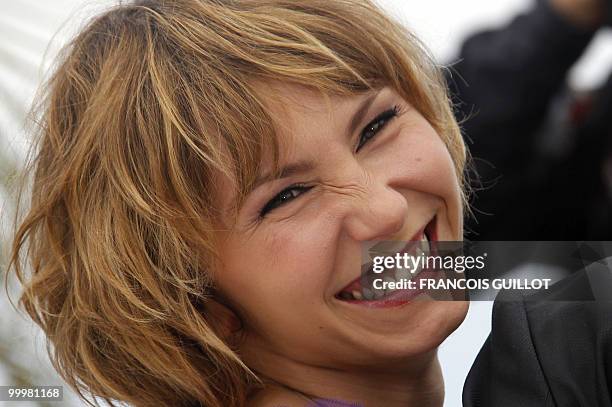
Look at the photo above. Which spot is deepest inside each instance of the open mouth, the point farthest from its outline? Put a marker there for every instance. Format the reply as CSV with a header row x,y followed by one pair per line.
x,y
362,291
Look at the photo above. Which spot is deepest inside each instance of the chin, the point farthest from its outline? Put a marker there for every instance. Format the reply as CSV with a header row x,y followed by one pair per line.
x,y
435,322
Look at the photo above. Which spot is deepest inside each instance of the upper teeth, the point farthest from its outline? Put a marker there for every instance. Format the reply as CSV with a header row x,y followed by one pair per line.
x,y
425,243
394,275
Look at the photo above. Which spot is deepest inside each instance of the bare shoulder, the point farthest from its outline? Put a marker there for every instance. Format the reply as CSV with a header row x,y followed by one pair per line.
x,y
276,397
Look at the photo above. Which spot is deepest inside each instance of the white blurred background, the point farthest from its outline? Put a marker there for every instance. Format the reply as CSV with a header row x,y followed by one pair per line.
x,y
31,32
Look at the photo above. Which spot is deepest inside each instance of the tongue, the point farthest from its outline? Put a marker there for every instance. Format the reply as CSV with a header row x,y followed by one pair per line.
x,y
354,286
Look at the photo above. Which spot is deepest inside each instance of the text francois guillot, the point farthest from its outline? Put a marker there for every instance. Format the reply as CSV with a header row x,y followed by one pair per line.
x,y
416,264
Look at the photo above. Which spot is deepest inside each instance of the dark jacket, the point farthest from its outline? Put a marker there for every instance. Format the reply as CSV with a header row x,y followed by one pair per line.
x,y
550,349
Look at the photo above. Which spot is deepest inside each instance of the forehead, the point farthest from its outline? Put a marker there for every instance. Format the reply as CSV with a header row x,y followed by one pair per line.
x,y
299,112
292,105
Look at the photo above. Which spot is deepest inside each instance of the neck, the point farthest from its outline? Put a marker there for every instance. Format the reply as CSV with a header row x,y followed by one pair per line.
x,y
418,382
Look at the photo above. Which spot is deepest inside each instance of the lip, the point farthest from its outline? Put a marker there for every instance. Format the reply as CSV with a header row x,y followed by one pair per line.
x,y
430,229
398,298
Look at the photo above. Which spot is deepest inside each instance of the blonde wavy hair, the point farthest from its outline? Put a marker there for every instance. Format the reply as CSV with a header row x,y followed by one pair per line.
x,y
147,106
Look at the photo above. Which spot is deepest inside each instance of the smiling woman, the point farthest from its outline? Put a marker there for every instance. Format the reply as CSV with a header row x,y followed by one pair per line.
x,y
205,176
295,250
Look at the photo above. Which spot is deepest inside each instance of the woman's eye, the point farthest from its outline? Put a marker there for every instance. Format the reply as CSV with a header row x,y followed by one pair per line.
x,y
376,125
283,197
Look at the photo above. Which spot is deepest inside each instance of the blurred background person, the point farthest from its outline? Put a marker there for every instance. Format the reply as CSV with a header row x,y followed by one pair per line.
x,y
541,148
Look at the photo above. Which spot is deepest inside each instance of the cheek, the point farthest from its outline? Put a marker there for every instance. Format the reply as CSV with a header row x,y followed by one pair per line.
x,y
419,160
421,155
292,264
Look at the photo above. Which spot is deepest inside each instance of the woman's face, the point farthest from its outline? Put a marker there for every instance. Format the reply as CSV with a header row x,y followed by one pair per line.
x,y
297,241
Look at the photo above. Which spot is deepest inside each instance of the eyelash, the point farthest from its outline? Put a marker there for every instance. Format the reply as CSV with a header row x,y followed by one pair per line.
x,y
374,127
378,124
278,201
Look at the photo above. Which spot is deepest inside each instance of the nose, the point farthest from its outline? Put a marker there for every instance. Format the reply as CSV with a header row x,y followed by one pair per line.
x,y
378,213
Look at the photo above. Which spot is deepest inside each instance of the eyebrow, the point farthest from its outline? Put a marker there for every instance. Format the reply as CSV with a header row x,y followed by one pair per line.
x,y
305,166
361,111
299,167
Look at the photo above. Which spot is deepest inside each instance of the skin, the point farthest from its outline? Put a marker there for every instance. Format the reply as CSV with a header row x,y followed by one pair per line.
x,y
280,274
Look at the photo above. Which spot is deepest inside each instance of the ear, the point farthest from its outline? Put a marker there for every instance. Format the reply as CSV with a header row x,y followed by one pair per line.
x,y
224,320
